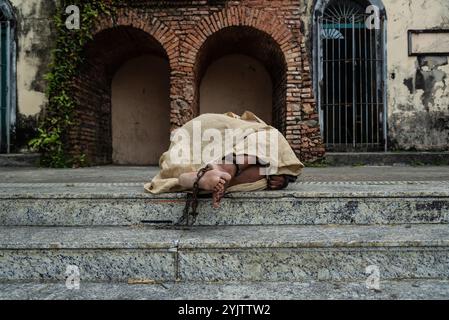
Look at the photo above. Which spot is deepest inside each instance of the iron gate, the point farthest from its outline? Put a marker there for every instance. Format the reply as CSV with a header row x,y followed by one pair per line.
x,y
351,80
5,85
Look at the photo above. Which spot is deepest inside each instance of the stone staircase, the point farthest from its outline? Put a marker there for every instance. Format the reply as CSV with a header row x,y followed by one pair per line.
x,y
314,240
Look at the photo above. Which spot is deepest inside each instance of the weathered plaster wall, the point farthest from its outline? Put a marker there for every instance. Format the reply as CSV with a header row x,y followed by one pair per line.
x,y
34,43
34,35
417,91
141,111
418,95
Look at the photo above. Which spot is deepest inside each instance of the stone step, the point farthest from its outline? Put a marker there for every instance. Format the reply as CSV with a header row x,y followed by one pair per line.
x,y
20,160
239,253
306,203
386,158
313,290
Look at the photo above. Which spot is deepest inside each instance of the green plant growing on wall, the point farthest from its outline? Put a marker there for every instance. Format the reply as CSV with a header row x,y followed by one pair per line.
x,y
67,57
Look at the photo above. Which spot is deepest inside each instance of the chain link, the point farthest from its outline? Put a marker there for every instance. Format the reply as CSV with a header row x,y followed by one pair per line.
x,y
189,217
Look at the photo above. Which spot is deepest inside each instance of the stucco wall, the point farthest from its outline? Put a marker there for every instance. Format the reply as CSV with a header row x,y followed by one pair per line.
x,y
237,83
141,111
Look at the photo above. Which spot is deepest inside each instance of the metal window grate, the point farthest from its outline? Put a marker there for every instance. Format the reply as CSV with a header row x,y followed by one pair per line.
x,y
5,86
351,87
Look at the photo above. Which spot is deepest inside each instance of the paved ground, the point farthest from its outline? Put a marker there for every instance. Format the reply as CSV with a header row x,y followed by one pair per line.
x,y
397,290
114,174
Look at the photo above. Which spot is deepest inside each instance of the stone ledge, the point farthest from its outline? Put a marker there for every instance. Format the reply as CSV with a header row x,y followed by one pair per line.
x,y
313,290
141,175
302,204
227,238
19,160
287,211
326,253
386,158
345,189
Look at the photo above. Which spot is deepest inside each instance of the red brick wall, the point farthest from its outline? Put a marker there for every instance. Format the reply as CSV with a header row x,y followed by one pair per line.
x,y
191,34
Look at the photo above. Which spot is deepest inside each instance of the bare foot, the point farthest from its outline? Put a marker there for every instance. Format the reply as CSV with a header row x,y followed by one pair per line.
x,y
219,193
214,180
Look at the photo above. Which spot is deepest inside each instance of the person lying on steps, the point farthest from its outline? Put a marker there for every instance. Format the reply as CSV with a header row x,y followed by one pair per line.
x,y
257,158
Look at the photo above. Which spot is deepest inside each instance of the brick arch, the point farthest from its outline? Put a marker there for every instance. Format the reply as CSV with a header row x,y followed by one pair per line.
x,y
151,25
167,38
234,17
270,29
115,41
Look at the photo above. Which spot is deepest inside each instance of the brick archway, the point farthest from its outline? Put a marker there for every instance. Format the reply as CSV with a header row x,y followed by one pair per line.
x,y
252,43
262,27
236,16
154,27
114,43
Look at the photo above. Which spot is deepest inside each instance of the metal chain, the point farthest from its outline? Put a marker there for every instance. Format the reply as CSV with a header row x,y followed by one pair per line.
x,y
189,217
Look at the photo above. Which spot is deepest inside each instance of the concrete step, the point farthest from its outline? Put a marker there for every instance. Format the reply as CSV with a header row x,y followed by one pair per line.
x,y
205,254
19,160
387,158
305,203
313,290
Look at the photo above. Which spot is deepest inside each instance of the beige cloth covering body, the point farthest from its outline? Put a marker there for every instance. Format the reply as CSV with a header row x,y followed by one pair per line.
x,y
285,160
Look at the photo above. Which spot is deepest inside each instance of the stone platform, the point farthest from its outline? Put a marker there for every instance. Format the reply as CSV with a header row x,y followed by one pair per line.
x,y
119,174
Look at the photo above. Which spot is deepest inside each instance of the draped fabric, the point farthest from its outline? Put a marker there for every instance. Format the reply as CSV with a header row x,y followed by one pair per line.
x,y
254,131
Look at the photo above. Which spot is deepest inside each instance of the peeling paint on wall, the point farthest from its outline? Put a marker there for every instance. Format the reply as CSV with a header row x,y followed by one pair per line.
x,y
418,96
428,76
35,38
